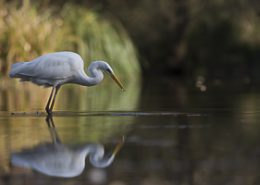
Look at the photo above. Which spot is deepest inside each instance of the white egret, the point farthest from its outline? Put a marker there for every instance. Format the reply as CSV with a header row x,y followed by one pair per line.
x,y
55,69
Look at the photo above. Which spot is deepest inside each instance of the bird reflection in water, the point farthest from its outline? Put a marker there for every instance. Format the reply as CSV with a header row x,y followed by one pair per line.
x,y
59,160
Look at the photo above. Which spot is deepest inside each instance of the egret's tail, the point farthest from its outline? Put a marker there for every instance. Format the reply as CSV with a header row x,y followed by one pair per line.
x,y
16,68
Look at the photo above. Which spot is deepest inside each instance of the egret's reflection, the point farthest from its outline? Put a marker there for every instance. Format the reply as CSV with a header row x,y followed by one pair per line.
x,y
57,159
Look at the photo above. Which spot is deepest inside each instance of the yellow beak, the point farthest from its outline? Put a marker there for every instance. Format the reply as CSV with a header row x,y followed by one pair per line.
x,y
117,81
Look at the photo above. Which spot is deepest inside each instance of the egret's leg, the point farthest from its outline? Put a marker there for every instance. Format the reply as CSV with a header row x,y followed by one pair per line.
x,y
54,98
47,109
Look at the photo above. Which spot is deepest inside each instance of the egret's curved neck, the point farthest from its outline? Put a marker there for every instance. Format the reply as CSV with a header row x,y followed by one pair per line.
x,y
95,77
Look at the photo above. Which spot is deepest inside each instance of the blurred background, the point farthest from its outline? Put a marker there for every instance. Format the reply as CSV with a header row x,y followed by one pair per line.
x,y
177,56
188,43
214,39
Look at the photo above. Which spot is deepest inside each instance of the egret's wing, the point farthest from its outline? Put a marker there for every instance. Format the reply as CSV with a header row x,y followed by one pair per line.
x,y
50,66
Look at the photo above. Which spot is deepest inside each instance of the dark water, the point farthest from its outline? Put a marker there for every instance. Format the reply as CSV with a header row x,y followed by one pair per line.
x,y
177,134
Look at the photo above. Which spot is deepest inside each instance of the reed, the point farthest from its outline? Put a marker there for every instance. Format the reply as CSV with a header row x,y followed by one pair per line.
x,y
98,39
27,31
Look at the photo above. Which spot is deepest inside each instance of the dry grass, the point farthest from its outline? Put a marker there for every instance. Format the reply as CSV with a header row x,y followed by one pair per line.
x,y
27,31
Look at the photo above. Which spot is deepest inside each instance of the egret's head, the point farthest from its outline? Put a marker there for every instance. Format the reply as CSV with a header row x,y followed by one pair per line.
x,y
105,67
111,73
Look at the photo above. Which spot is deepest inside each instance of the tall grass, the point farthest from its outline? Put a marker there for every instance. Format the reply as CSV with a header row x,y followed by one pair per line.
x,y
98,39
27,31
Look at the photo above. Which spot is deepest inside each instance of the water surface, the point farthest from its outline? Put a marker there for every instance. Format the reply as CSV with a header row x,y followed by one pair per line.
x,y
173,134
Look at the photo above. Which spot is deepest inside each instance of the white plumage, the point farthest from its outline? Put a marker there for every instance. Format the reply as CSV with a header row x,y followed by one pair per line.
x,y
56,69
50,69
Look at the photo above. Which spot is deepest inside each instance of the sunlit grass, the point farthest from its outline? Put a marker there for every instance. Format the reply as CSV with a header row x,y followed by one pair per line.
x,y
98,39
28,31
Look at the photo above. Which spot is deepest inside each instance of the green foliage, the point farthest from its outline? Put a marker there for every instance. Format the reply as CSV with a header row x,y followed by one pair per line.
x,y
219,37
98,39
223,39
28,31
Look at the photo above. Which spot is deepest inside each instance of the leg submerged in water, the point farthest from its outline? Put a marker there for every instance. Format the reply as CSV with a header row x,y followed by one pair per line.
x,y
51,100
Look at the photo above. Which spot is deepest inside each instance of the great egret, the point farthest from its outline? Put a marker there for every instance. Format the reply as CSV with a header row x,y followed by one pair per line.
x,y
55,69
